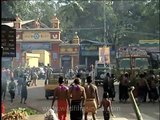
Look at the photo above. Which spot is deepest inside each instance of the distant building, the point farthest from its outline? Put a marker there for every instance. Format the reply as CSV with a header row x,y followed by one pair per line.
x,y
89,52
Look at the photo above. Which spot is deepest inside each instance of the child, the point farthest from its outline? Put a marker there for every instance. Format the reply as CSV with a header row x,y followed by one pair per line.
x,y
106,103
11,89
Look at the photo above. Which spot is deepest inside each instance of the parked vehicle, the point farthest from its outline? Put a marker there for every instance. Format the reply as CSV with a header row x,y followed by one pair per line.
x,y
100,72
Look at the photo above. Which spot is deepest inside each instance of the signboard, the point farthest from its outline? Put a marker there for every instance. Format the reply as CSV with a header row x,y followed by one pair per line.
x,y
89,53
104,55
36,35
149,41
66,58
35,46
89,50
132,52
8,41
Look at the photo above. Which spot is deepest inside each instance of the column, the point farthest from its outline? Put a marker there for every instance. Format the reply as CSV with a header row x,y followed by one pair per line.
x,y
60,61
72,62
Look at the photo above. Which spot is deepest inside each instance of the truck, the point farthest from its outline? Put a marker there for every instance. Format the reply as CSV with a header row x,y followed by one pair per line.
x,y
132,59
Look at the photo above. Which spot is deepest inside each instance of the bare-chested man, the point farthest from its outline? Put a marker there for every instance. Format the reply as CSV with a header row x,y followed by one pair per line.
x,y
78,96
61,94
92,100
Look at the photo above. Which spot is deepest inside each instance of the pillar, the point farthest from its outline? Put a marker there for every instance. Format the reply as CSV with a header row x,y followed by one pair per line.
x,y
55,22
72,62
37,23
17,23
55,55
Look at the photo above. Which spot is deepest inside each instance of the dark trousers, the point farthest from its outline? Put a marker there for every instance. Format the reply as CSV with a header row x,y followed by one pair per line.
x,y
120,92
124,95
76,110
3,90
142,93
145,93
12,95
106,115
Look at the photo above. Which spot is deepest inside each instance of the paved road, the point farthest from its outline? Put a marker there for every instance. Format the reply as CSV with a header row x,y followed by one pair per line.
x,y
37,100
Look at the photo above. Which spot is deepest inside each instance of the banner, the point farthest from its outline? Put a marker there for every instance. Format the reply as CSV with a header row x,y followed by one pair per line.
x,y
104,55
149,41
8,41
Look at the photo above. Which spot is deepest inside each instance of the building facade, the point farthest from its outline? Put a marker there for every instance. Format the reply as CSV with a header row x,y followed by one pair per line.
x,y
89,52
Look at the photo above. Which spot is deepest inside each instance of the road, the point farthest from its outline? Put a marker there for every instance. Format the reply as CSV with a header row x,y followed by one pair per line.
x,y
36,100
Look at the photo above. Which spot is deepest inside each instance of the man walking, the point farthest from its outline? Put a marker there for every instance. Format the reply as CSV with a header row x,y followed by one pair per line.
x,y
61,94
78,96
92,99
105,83
11,89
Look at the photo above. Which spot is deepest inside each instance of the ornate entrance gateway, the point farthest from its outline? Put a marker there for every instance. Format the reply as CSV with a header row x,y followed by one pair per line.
x,y
36,37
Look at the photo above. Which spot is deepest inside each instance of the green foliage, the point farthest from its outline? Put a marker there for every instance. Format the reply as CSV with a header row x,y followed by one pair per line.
x,y
30,111
126,21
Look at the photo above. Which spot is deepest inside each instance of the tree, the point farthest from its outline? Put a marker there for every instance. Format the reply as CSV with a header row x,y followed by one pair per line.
x,y
124,21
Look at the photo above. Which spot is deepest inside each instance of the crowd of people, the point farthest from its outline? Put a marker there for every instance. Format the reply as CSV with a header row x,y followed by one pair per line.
x,y
77,96
19,88
16,81
147,86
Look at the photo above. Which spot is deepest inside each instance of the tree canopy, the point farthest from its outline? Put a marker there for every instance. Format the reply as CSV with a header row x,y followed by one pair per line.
x,y
118,22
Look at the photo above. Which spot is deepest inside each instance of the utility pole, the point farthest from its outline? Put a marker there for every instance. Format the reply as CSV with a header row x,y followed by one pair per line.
x,y
104,22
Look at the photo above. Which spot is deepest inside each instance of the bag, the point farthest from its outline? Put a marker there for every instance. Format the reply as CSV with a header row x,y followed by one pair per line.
x,y
50,115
